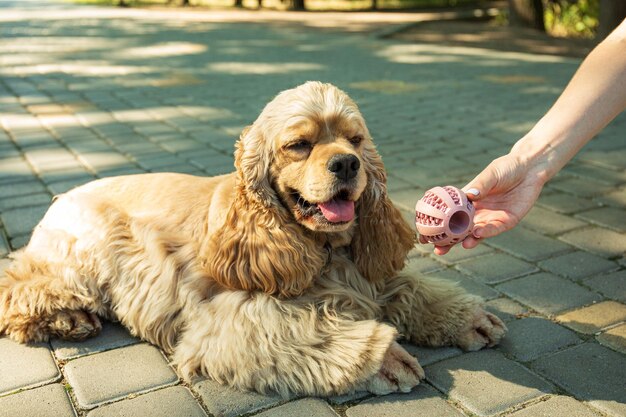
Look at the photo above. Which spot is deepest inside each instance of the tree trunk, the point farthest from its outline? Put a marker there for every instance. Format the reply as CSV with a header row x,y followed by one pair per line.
x,y
238,3
612,12
374,4
298,5
527,13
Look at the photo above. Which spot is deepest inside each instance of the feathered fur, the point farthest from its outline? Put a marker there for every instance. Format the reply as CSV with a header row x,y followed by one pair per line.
x,y
240,277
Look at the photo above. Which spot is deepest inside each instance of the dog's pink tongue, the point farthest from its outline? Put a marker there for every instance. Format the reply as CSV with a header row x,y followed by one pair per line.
x,y
338,210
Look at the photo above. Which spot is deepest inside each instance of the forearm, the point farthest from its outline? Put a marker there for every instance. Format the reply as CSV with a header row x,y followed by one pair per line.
x,y
594,96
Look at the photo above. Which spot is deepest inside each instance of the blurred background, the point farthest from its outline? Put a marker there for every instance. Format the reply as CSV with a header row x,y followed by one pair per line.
x,y
558,18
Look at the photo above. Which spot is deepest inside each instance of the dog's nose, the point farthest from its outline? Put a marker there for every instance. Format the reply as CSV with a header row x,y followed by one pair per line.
x,y
344,166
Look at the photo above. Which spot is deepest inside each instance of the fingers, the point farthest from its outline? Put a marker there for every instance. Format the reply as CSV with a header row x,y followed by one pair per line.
x,y
491,229
442,250
481,185
470,242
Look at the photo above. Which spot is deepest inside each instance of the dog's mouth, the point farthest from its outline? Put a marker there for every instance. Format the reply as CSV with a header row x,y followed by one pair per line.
x,y
337,210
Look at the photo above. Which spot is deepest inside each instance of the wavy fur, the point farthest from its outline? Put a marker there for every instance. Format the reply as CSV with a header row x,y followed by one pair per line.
x,y
234,279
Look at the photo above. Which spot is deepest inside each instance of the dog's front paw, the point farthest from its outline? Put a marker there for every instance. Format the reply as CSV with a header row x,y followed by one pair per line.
x,y
75,325
399,372
483,329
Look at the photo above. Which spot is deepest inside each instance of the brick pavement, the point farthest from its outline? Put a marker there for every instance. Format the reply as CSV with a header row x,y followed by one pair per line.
x,y
92,92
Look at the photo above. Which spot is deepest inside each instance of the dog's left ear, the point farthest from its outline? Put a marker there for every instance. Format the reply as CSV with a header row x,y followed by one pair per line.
x,y
382,238
260,247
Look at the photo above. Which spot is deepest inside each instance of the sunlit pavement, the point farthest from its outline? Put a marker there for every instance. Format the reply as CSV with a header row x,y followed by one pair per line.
x,y
89,92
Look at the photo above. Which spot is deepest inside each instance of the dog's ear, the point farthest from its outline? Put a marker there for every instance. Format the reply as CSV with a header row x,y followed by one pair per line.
x,y
382,238
260,247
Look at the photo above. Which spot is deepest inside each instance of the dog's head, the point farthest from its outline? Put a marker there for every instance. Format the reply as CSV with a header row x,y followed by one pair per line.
x,y
308,167
313,152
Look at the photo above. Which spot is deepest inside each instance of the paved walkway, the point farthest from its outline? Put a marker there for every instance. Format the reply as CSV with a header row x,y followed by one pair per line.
x,y
91,92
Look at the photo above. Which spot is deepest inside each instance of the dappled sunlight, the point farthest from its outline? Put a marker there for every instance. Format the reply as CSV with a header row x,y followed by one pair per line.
x,y
55,44
422,53
263,67
513,79
58,120
541,89
387,86
165,49
423,59
82,68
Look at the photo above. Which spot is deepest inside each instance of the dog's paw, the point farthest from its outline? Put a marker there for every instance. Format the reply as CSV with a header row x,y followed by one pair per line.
x,y
75,325
482,330
399,372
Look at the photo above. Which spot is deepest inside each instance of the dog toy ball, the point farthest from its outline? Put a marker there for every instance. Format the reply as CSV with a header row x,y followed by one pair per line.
x,y
444,216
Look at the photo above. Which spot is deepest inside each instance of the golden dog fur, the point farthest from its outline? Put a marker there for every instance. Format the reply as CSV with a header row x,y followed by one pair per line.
x,y
234,278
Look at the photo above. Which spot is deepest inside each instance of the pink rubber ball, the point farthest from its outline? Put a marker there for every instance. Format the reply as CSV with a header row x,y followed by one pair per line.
x,y
444,216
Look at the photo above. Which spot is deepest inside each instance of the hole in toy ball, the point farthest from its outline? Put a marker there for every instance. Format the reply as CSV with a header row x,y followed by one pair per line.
x,y
459,222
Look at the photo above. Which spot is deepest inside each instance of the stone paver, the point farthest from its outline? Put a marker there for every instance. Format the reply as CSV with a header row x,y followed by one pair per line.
x,y
21,188
532,337
611,285
173,401
577,265
558,406
113,335
301,408
113,375
614,338
565,203
528,245
458,253
89,92
25,201
506,308
590,372
227,402
548,222
548,293
580,187
47,401
495,268
594,318
25,366
597,240
427,356
20,222
4,246
423,398
610,217
485,382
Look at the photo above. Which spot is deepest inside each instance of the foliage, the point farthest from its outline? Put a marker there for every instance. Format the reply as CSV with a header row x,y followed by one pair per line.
x,y
310,4
572,18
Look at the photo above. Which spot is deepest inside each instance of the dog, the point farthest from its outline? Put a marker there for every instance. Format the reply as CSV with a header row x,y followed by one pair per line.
x,y
284,276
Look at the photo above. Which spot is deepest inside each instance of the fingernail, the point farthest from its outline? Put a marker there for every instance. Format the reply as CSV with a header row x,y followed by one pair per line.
x,y
473,191
477,233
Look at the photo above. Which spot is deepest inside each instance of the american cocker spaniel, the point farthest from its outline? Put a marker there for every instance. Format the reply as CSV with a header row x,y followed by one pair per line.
x,y
283,276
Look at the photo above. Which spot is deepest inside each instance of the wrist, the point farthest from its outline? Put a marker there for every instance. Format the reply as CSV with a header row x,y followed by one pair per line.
x,y
539,157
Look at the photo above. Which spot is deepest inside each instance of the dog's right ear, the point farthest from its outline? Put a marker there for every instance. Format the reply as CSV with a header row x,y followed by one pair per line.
x,y
260,247
253,157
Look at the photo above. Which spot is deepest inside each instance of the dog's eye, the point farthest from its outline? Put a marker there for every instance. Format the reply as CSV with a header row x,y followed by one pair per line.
x,y
355,140
300,145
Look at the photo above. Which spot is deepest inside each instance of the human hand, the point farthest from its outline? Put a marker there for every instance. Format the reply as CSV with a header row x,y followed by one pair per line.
x,y
502,194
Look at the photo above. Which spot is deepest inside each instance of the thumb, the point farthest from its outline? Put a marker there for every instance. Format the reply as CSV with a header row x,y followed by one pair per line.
x,y
481,185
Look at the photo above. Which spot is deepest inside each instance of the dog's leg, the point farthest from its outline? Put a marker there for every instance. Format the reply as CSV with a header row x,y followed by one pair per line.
x,y
253,341
436,313
37,301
